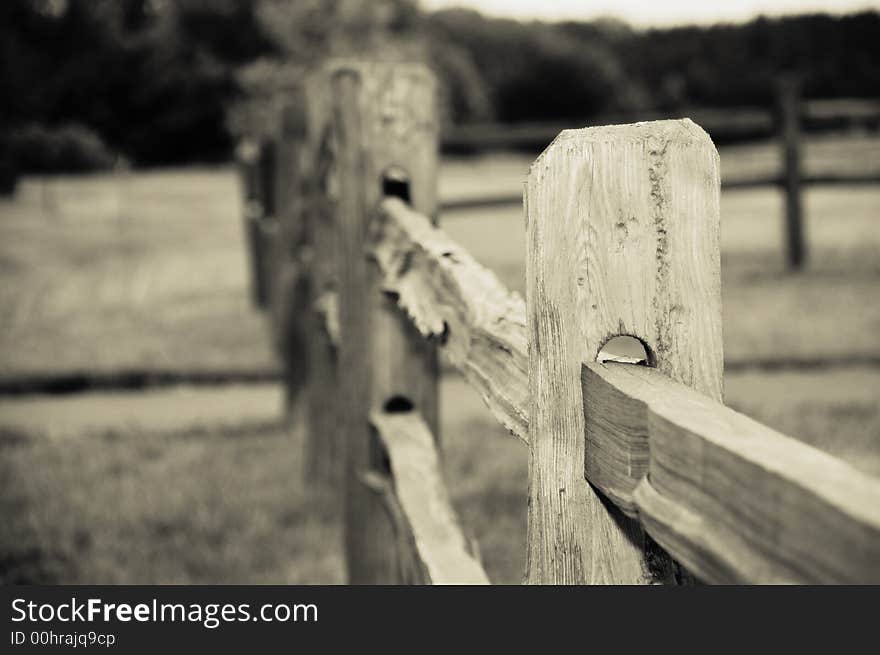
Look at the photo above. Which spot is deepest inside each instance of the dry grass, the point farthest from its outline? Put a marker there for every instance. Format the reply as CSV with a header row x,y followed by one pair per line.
x,y
221,501
140,272
129,506
147,271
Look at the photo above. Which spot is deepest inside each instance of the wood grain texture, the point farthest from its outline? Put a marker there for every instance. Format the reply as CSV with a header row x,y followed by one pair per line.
x,y
440,545
383,116
459,304
617,438
409,569
733,500
623,239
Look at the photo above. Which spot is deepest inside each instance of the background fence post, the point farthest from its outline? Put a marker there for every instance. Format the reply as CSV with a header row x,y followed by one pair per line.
x,y
267,223
324,443
257,174
386,139
789,112
248,166
289,305
623,239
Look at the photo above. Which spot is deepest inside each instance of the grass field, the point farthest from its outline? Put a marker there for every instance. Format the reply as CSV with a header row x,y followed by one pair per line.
x,y
218,499
147,271
144,271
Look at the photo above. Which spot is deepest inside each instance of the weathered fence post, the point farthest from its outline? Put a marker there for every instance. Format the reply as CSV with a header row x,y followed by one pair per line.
x,y
324,447
790,139
623,239
289,304
385,135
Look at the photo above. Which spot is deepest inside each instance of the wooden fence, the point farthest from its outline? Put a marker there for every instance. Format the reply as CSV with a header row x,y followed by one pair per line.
x,y
637,472
783,123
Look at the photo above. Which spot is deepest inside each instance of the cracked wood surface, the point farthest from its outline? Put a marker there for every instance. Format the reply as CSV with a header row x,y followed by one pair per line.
x,y
454,301
623,239
422,512
383,118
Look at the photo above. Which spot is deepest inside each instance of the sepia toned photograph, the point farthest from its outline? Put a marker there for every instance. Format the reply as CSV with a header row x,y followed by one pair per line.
x,y
438,292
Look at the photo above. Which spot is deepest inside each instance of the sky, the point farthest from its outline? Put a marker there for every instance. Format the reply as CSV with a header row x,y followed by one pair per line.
x,y
650,13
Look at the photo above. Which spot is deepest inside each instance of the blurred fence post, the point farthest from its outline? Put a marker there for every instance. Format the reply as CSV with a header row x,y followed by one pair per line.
x,y
289,303
324,446
385,132
248,166
789,112
257,173
267,224
623,227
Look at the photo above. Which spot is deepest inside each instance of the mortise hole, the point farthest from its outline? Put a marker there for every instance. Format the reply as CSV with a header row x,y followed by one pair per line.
x,y
398,405
395,183
625,349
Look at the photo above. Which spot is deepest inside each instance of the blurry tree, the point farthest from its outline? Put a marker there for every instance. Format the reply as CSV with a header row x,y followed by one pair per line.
x,y
309,31
306,32
540,71
166,81
731,65
150,77
40,149
465,96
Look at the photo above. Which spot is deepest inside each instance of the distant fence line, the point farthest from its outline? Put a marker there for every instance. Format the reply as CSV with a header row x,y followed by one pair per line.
x,y
623,230
728,125
60,383
786,123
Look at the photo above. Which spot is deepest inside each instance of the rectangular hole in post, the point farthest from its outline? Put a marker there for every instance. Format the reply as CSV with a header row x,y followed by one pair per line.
x,y
395,184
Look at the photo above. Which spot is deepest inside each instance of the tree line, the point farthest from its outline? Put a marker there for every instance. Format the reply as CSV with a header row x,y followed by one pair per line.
x,y
159,82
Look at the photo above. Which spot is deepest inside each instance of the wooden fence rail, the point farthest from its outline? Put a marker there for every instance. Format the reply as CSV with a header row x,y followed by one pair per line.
x,y
733,500
451,299
637,473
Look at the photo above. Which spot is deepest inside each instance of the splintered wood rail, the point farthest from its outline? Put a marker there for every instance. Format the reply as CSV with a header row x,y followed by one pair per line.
x,y
637,472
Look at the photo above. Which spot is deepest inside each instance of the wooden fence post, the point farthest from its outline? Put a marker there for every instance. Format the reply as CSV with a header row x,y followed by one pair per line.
x,y
248,156
790,140
324,443
385,131
267,224
623,239
257,173
289,305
